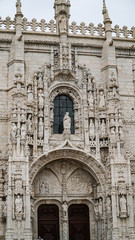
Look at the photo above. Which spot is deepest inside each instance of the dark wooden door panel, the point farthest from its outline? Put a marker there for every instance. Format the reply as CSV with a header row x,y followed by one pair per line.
x,y
79,222
48,222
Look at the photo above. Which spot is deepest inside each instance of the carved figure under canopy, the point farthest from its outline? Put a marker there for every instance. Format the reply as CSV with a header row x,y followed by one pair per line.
x,y
30,122
90,99
101,100
123,204
41,128
30,93
13,130
23,131
92,128
18,204
67,123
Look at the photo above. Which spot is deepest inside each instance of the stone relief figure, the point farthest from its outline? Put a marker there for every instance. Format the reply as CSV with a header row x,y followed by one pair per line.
x,y
64,209
18,205
123,204
100,206
63,25
121,133
40,79
44,188
90,99
103,127
101,99
41,128
92,128
30,122
13,130
113,134
23,131
109,205
67,123
30,93
41,98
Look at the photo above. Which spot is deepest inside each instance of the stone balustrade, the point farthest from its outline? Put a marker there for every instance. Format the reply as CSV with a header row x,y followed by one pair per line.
x,y
77,30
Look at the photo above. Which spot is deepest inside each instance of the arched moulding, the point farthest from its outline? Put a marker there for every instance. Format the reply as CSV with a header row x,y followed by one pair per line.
x,y
95,168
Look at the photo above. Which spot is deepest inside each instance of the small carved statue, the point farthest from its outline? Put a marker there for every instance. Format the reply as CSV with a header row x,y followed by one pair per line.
x,y
67,123
108,205
41,98
41,128
13,130
30,122
113,134
18,205
123,204
64,209
100,206
23,131
103,127
121,133
40,79
101,100
63,25
90,99
30,93
92,128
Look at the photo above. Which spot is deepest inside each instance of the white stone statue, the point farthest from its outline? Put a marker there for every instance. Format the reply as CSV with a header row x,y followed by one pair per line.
x,y
30,122
108,205
13,130
123,204
121,133
64,209
40,128
103,127
67,123
18,205
63,25
40,79
90,99
101,100
113,134
23,131
92,128
100,206
30,93
41,98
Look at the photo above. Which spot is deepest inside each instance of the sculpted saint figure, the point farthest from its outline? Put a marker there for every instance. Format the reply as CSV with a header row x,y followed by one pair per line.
x,y
92,128
13,130
103,127
64,209
100,206
29,122
90,99
63,25
18,204
41,98
101,99
30,93
41,128
23,131
67,122
123,204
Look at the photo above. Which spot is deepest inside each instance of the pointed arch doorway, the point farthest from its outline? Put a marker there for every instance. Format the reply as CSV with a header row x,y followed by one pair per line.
x,y
48,222
79,222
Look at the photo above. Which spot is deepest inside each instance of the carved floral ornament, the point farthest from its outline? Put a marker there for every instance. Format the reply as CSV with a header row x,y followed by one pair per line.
x,y
96,169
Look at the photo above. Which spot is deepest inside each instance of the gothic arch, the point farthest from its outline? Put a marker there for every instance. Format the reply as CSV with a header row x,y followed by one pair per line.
x,y
95,168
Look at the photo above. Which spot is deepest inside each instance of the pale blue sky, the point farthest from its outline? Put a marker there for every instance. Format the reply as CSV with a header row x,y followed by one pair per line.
x,y
122,12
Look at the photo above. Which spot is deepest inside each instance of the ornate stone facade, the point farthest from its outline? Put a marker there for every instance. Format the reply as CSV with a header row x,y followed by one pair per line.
x,y
92,161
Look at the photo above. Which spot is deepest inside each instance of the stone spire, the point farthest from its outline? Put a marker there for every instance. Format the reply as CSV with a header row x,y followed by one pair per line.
x,y
107,21
62,15
18,18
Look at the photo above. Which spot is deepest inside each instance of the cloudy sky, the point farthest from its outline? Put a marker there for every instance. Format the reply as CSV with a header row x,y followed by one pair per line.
x,y
122,12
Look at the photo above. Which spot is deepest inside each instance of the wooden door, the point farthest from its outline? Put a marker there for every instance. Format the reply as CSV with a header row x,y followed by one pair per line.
x,y
48,222
79,222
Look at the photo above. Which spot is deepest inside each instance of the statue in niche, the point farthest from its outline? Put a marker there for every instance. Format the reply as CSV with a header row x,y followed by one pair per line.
x,y
108,205
113,135
23,131
63,25
121,133
123,204
92,128
13,130
101,99
30,122
41,128
40,79
30,93
41,98
18,205
103,127
64,209
100,206
44,188
90,99
67,123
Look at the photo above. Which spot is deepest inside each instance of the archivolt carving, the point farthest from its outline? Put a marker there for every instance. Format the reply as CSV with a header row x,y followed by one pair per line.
x,y
95,168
